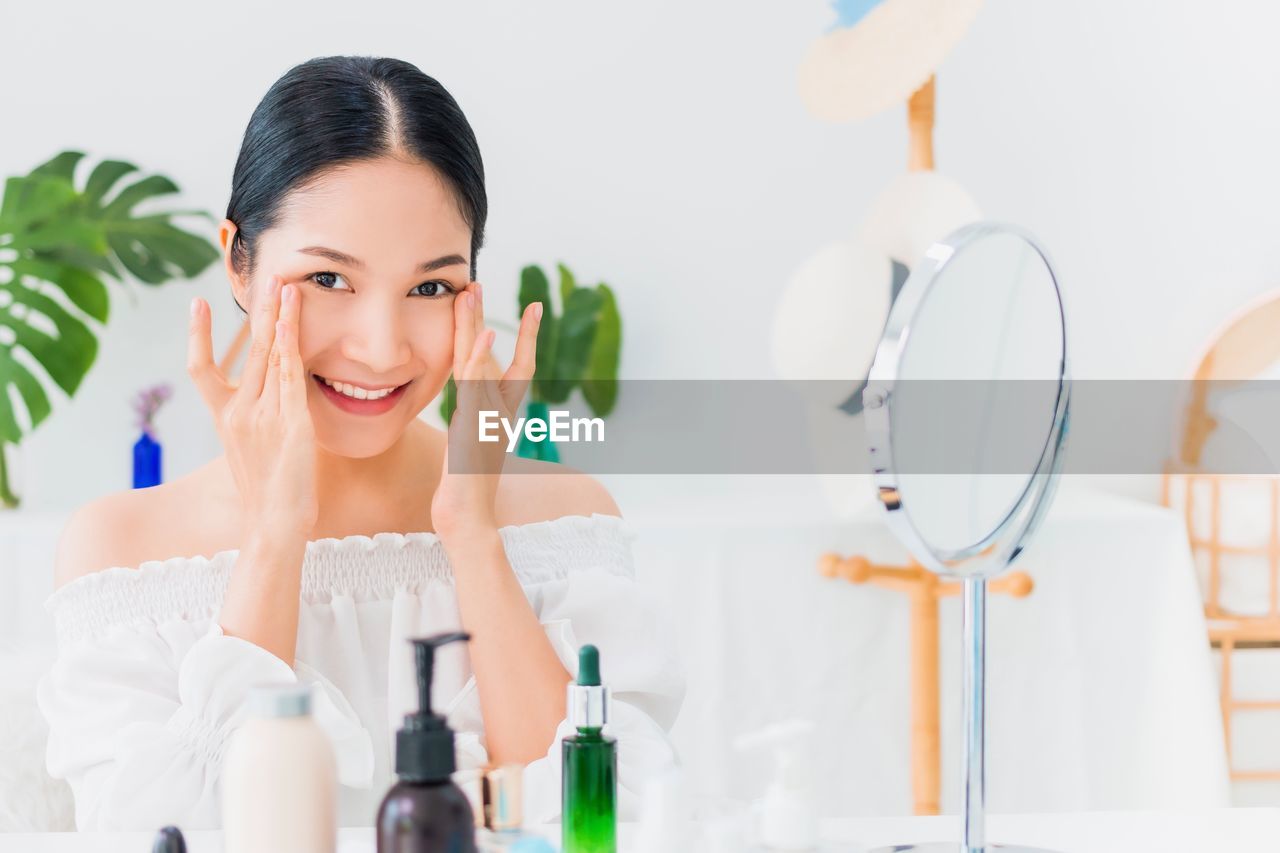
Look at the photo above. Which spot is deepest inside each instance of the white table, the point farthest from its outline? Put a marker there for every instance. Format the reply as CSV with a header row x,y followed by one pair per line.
x,y
1102,688
1213,831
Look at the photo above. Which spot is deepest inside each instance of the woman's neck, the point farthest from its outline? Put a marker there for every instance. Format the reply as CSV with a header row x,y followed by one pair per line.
x,y
390,491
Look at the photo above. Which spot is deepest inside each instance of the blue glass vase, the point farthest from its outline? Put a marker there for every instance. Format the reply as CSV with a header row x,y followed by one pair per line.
x,y
146,462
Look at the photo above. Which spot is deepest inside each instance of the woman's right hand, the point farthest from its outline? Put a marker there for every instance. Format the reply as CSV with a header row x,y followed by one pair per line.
x,y
263,421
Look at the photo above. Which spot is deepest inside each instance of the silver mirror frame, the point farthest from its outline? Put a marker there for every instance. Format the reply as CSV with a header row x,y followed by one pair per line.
x,y
1013,532
1009,538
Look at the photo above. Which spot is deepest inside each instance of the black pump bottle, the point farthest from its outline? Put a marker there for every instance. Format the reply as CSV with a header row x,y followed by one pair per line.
x,y
425,812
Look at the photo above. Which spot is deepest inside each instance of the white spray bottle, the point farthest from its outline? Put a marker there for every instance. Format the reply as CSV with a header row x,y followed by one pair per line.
x,y
787,818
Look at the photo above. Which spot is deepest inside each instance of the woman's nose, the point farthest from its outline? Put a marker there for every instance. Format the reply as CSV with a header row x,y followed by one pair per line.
x,y
377,339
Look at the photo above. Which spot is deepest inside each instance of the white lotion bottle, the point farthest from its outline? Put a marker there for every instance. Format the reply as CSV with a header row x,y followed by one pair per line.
x,y
279,778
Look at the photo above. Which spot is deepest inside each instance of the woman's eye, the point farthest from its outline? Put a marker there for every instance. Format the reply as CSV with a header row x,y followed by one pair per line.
x,y
434,289
323,280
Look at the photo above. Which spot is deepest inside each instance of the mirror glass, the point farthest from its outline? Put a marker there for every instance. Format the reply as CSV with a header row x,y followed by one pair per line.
x,y
974,396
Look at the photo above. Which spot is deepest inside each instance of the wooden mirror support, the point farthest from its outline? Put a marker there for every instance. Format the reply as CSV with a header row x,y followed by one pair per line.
x,y
920,112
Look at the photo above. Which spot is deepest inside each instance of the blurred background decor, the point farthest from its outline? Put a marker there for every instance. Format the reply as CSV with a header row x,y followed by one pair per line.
x,y
147,451
578,347
878,54
1233,519
59,242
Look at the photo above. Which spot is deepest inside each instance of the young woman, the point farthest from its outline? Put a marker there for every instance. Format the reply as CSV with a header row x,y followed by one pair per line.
x,y
333,528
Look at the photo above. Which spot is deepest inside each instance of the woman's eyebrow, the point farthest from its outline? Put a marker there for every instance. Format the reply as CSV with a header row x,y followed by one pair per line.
x,y
355,263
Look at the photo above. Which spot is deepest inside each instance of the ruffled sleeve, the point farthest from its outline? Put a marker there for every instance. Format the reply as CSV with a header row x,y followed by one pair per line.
x,y
141,709
139,721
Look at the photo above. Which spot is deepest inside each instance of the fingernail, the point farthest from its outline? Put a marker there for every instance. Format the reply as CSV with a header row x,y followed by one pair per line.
x,y
471,300
195,306
479,291
537,311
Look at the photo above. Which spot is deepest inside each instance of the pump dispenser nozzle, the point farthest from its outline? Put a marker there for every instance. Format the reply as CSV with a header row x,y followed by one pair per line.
x,y
424,747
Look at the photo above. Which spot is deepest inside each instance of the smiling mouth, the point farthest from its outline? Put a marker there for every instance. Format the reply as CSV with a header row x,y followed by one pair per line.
x,y
356,392
346,397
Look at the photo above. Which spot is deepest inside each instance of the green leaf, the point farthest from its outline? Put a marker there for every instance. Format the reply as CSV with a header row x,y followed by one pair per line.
x,y
177,248
103,178
62,166
140,261
33,395
31,200
534,287
85,290
64,364
74,257
131,195
69,356
10,431
86,236
600,388
577,330
449,400
567,284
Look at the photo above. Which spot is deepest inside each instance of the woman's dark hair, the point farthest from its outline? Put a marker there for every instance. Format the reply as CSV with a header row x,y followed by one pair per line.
x,y
334,110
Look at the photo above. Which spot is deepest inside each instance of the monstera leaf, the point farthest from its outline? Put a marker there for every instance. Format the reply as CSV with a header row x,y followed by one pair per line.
x,y
58,244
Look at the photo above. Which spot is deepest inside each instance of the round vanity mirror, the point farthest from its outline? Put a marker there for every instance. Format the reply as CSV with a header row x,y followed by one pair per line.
x,y
966,411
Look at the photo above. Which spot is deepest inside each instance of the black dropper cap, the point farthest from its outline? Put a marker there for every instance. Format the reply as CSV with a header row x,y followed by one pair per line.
x,y
424,747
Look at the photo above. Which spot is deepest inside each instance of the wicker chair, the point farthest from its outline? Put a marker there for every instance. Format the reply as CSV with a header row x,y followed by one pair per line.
x,y
1237,617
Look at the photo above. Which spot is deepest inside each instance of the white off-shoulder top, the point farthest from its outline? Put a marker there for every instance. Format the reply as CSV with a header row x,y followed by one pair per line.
x,y
146,689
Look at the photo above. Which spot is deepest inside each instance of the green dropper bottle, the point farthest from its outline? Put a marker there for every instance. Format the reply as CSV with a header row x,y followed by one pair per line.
x,y
589,781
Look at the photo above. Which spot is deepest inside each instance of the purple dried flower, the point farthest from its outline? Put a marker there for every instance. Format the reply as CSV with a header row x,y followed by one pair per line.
x,y
147,403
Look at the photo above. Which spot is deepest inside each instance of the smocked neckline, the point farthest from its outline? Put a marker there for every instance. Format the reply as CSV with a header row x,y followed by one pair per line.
x,y
351,543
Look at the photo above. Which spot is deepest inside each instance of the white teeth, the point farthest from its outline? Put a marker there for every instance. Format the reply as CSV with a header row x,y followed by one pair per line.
x,y
354,391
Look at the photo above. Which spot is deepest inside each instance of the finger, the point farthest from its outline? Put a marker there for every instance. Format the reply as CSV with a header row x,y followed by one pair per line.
x,y
471,385
464,331
479,297
271,382
515,382
525,357
263,319
479,350
209,381
270,397
293,381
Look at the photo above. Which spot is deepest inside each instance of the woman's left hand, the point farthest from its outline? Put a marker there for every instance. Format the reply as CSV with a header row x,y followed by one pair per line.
x,y
465,496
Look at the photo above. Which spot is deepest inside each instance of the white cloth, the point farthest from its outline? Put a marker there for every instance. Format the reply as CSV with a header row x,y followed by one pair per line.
x,y
146,689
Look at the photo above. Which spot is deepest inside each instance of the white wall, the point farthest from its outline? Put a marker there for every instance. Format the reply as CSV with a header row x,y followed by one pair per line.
x,y
662,147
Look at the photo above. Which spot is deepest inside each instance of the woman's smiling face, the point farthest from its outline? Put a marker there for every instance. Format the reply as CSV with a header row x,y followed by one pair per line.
x,y
378,250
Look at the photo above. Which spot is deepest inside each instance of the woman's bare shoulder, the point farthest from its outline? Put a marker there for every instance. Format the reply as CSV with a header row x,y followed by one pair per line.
x,y
534,490
124,528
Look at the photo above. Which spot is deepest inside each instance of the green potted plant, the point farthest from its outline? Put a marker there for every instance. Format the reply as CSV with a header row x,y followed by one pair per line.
x,y
577,348
59,242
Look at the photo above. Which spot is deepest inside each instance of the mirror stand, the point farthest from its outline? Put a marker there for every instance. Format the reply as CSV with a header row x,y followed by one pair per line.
x,y
975,729
973,755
